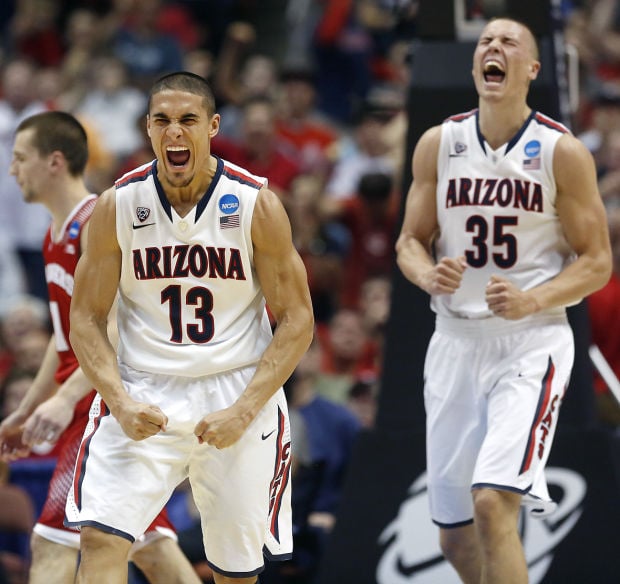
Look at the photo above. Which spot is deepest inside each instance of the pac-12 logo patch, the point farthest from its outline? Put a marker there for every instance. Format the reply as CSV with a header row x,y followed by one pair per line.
x,y
142,213
532,148
228,204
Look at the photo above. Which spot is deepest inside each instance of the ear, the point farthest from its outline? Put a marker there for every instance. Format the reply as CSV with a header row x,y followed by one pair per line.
x,y
534,69
215,125
57,161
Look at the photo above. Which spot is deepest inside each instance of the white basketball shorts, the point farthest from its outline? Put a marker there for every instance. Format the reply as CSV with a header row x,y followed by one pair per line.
x,y
492,394
242,492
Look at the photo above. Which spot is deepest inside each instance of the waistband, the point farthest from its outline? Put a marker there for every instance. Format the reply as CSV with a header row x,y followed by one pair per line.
x,y
495,325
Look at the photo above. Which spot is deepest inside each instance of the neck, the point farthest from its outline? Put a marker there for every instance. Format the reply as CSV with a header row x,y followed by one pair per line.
x,y
500,122
70,193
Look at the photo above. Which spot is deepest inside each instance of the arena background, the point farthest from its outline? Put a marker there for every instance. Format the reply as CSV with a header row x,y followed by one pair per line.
x,y
384,534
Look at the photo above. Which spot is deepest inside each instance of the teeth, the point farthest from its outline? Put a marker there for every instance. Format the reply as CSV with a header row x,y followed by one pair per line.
x,y
492,64
176,148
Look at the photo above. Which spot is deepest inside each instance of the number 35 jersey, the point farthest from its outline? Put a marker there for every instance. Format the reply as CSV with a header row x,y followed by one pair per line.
x,y
498,209
190,303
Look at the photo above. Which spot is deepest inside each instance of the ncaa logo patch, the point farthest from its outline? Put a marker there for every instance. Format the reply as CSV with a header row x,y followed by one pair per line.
x,y
532,148
74,230
228,204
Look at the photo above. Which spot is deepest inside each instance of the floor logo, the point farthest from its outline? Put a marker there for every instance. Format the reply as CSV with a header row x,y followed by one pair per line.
x,y
410,543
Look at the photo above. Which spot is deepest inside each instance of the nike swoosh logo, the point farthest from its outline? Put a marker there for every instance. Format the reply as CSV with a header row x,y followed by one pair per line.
x,y
141,226
265,436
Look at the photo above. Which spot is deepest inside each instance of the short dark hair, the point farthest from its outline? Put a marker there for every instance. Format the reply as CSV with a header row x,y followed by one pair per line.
x,y
57,130
188,82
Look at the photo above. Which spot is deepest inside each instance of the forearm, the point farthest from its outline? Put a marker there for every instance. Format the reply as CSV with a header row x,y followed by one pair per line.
x,y
291,339
43,385
414,261
578,280
97,359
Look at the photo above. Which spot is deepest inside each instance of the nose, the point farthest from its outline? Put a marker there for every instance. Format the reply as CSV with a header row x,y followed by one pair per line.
x,y
174,130
13,168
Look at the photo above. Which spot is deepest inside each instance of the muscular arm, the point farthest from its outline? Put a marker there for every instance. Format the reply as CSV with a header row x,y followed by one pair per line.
x,y
284,282
96,283
584,224
420,225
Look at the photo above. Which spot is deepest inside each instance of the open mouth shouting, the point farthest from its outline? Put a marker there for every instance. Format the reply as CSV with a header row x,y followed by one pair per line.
x,y
493,72
178,156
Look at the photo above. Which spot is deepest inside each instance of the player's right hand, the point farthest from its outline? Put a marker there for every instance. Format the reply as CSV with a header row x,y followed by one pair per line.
x,y
139,420
446,276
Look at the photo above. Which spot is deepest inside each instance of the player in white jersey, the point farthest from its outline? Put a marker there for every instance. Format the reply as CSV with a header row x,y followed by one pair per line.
x,y
504,227
197,248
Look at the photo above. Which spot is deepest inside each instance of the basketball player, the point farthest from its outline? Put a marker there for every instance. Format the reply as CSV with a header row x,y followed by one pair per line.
x,y
196,247
49,157
504,227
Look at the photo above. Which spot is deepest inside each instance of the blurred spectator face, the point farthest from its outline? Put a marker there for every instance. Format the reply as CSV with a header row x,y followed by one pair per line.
x,y
375,302
258,76
18,84
346,334
48,84
31,350
310,364
23,319
300,97
14,391
82,30
612,150
258,126
109,75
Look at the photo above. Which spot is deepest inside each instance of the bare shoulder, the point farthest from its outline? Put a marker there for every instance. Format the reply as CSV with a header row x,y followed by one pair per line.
x,y
426,152
271,229
570,150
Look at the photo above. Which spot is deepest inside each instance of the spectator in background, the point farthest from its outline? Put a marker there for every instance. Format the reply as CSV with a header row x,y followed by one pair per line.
x,y
259,149
146,52
311,136
34,32
12,277
331,430
24,225
371,218
604,313
241,76
347,355
367,151
322,245
85,38
113,106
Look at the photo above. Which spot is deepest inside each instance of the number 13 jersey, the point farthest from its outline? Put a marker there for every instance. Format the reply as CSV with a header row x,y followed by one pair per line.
x,y
190,303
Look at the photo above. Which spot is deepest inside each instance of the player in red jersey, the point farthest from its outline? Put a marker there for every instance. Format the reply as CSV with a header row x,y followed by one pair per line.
x,y
49,158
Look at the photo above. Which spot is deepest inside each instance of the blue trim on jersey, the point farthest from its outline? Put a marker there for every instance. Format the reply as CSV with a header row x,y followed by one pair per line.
x,y
202,204
276,557
238,177
102,527
136,176
235,574
551,123
165,203
453,525
513,140
520,133
501,488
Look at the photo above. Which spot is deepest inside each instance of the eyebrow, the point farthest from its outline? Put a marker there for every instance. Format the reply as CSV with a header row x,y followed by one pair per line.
x,y
184,117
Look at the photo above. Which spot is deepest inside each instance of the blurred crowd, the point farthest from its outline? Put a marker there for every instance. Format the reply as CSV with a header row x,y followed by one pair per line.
x,y
321,111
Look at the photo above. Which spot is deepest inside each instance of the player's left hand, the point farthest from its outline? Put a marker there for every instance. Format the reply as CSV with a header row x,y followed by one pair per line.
x,y
504,299
221,429
48,421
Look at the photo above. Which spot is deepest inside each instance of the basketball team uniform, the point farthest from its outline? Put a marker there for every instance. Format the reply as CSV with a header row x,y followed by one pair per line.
x,y
61,256
506,378
193,325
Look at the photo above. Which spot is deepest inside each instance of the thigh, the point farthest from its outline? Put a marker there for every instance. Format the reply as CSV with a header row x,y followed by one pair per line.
x,y
120,485
243,492
454,426
523,408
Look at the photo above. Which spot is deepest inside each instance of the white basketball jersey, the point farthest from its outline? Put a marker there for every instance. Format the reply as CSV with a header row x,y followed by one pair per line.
x,y
497,207
190,302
